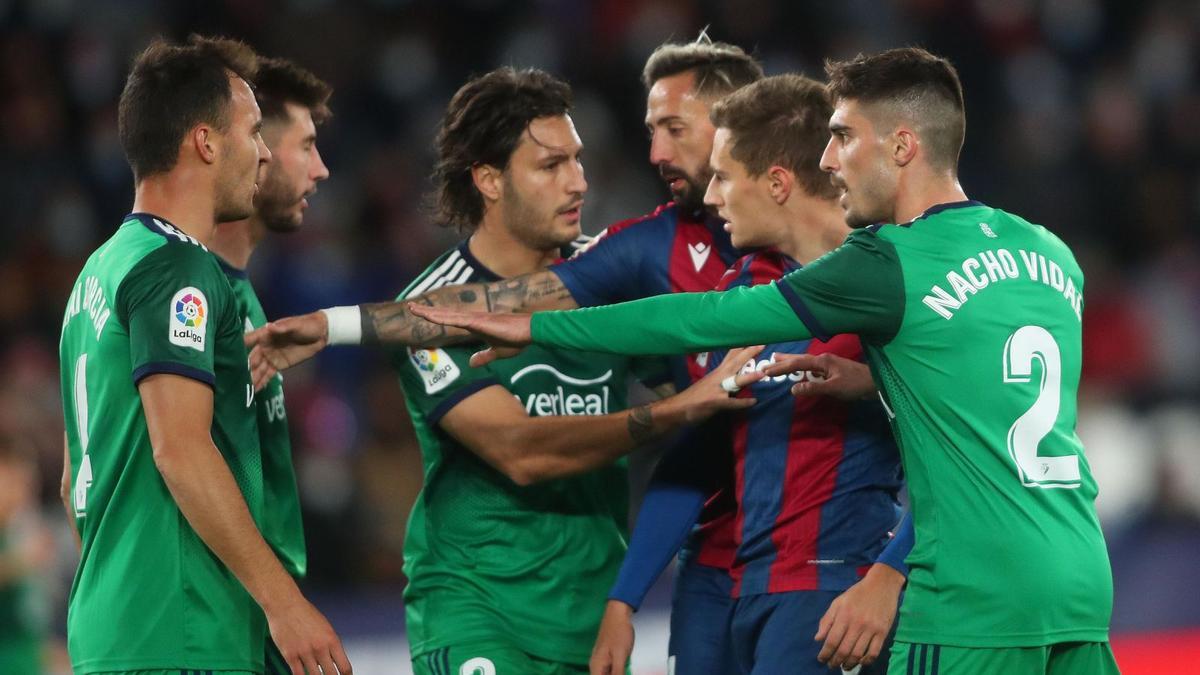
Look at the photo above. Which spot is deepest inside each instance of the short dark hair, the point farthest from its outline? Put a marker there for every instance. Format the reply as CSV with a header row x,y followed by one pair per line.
x,y
280,81
483,125
172,88
719,67
781,120
915,83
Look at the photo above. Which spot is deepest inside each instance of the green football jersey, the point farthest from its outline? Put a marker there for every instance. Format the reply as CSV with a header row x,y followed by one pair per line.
x,y
489,561
971,318
148,593
282,526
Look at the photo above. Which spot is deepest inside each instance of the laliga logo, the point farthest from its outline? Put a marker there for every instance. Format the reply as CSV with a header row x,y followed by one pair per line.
x,y
189,310
188,318
426,360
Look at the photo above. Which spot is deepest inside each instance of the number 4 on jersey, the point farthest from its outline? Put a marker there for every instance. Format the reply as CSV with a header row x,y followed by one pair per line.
x,y
1023,347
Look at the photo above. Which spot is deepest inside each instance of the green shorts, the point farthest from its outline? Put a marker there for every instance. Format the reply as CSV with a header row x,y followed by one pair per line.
x,y
1066,658
490,659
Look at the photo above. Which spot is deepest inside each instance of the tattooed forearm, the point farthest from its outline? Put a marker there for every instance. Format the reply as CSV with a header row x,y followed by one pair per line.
x,y
392,323
528,293
641,424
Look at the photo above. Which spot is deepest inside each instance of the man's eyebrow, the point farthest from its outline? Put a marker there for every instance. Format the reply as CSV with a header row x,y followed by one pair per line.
x,y
664,120
837,126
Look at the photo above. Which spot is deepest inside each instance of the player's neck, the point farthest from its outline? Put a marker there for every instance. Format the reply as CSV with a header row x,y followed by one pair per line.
x,y
181,197
235,242
495,246
918,195
815,227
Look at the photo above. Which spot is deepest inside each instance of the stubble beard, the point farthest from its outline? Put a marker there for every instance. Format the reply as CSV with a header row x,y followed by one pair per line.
x,y
533,226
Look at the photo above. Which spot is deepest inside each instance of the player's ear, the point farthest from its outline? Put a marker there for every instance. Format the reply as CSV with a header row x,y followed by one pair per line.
x,y
904,146
780,183
487,180
203,141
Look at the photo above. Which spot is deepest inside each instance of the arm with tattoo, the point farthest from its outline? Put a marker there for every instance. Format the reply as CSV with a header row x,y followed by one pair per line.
x,y
392,323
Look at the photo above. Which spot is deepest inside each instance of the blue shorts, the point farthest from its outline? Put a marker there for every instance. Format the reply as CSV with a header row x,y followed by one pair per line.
x,y
701,606
773,634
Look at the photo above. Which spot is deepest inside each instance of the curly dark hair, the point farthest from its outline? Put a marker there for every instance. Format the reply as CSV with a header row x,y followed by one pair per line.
x,y
172,88
483,125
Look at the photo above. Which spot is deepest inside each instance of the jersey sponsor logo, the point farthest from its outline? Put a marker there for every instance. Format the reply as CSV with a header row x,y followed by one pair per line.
x,y
565,398
988,231
699,252
436,368
189,318
798,376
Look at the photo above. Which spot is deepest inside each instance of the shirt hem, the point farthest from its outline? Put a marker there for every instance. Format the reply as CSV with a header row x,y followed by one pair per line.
x,y
544,649
109,666
993,641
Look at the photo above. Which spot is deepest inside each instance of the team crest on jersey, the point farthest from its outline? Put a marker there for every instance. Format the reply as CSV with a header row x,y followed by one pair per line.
x,y
189,319
436,368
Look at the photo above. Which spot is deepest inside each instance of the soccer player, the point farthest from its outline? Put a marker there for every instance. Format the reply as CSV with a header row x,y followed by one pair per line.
x,y
971,321
681,246
520,526
165,470
293,102
816,477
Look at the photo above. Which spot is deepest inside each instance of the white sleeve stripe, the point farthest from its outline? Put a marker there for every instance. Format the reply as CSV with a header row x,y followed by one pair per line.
x,y
449,275
435,275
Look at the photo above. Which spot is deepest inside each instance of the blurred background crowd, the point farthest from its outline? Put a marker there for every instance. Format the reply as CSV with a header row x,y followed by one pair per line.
x,y
1084,115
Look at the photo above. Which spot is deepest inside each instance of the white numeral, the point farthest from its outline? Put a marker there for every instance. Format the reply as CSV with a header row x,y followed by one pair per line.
x,y
83,479
1023,347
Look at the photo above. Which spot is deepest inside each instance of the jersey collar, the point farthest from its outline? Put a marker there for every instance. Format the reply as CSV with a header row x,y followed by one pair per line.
x,y
938,208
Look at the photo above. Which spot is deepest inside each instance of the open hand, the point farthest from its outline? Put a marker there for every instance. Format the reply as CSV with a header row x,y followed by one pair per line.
x,y
505,334
281,344
835,375
614,643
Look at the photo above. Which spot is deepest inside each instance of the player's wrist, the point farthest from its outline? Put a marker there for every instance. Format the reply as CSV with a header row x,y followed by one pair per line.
x,y
343,325
882,572
619,607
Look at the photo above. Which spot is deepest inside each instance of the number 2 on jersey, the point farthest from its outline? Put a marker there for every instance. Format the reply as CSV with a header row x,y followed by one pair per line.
x,y
83,479
1027,344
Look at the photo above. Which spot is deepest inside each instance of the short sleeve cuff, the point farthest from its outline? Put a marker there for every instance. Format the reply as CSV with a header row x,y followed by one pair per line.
x,y
439,411
803,312
574,285
172,368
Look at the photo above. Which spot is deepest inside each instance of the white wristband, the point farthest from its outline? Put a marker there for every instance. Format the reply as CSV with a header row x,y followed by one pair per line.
x,y
345,325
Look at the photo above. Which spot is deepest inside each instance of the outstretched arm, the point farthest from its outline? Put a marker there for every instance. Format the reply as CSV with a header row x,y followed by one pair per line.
x,y
292,340
495,426
678,323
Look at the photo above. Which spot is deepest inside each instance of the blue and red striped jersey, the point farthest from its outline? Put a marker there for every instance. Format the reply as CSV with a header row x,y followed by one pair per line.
x,y
816,479
667,251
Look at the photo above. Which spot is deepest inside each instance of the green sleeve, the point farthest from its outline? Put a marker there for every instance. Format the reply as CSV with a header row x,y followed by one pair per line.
x,y
174,302
677,323
436,380
857,288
